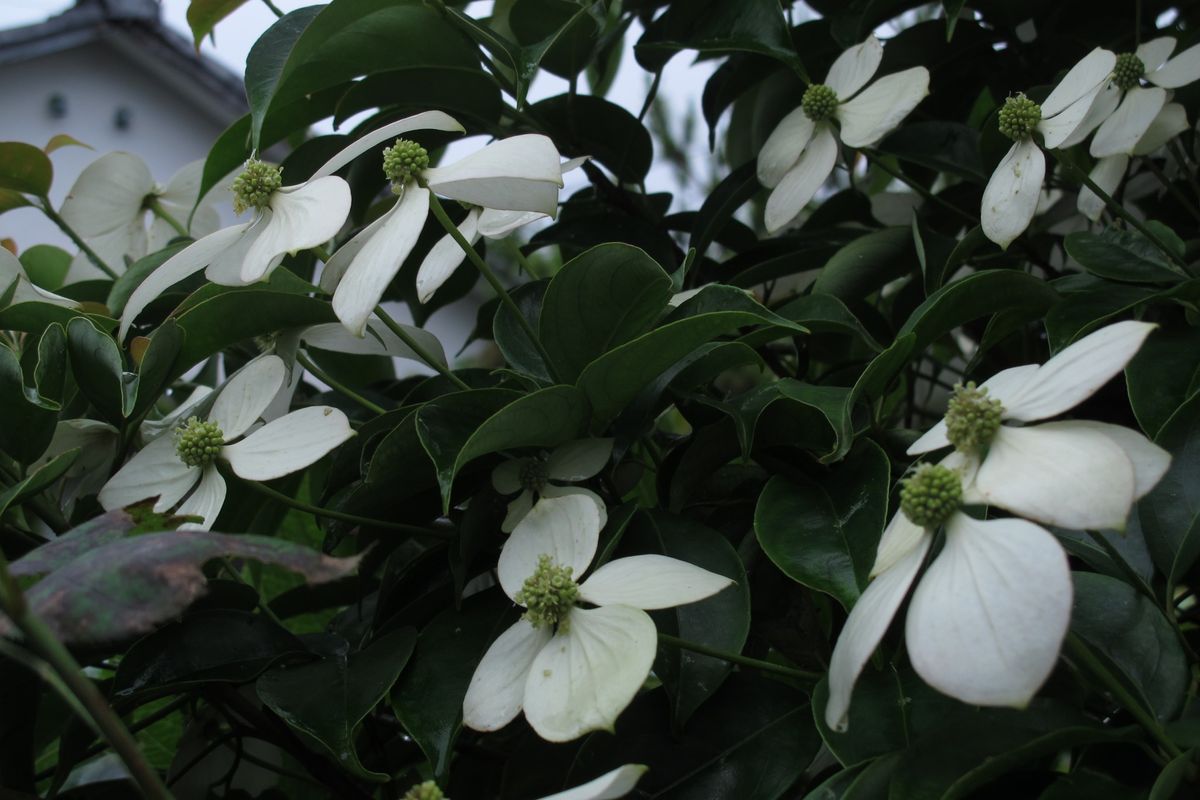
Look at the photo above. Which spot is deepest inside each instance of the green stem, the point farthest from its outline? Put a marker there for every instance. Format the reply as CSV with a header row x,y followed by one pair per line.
x,y
49,211
1119,210
337,385
1082,655
46,645
734,658
422,353
274,8
236,574
316,511
436,206
156,208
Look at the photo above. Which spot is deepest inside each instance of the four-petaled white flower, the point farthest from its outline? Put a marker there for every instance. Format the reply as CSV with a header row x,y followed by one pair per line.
x,y
108,204
988,617
180,470
1076,474
800,153
1011,197
574,669
532,476
519,174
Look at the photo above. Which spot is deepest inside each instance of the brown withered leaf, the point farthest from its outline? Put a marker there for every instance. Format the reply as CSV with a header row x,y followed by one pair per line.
x,y
127,587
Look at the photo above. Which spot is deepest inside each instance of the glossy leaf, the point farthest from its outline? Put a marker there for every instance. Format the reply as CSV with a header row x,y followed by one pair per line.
x,y
28,424
1170,513
1120,256
823,532
98,369
25,168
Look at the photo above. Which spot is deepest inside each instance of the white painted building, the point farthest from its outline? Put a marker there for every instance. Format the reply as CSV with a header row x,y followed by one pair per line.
x,y
112,74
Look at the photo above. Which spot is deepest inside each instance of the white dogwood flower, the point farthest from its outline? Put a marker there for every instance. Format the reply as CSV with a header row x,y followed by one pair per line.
x,y
181,471
532,476
521,174
1076,474
1011,196
574,669
800,153
108,206
988,617
612,785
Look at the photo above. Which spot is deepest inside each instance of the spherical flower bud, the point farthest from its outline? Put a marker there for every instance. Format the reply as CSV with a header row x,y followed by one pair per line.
x,y
972,418
1018,117
549,594
198,442
819,102
425,791
930,495
254,187
403,161
1128,71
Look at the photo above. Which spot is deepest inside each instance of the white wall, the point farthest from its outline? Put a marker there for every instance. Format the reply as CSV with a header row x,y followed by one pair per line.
x,y
96,80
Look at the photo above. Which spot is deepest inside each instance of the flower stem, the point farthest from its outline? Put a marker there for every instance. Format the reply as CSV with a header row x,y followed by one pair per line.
x,y
421,352
156,208
53,216
1119,210
734,658
274,8
236,574
43,641
337,386
299,505
1083,656
438,211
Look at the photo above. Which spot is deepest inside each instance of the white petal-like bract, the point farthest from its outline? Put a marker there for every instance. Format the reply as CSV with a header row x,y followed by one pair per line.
x,y
154,471
496,693
1107,174
1179,71
1124,128
583,679
303,216
520,173
288,444
444,257
204,502
650,582
854,67
783,147
579,459
801,182
245,396
1011,196
611,785
565,528
882,106
988,618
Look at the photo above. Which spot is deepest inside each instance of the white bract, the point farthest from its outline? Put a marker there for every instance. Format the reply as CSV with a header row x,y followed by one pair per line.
x,y
180,470
1075,473
532,476
611,785
574,669
490,223
108,206
1011,196
988,617
800,153
519,176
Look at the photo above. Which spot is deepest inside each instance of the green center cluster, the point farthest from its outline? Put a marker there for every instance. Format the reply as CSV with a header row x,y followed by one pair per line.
x,y
972,418
930,495
549,594
403,161
254,187
424,791
1018,117
819,102
1128,72
198,442
534,474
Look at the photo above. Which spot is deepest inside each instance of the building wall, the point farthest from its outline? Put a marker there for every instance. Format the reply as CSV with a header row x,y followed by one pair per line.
x,y
95,80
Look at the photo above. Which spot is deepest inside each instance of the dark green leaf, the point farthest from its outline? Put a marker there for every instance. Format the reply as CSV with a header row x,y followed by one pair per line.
x,y
599,301
428,699
50,374
560,34
586,125
823,532
545,418
28,424
867,263
217,645
326,700
722,202
1134,640
943,146
107,527
46,265
1170,513
721,621
1120,256
98,369
718,26
1162,376
155,371
132,277
38,480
